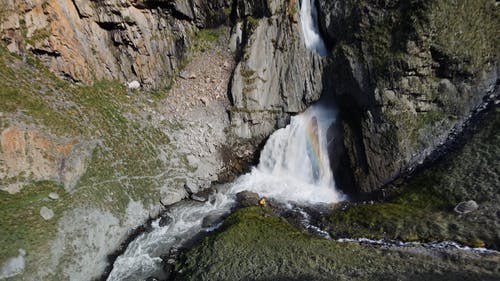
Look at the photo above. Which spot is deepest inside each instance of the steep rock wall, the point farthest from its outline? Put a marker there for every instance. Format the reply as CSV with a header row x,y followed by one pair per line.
x,y
125,40
404,74
276,75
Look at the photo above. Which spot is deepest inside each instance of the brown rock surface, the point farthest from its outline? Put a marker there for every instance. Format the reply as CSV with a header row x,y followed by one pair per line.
x,y
87,40
29,155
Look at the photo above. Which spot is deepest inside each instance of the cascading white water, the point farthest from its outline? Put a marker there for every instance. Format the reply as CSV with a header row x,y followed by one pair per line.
x,y
294,166
294,163
309,22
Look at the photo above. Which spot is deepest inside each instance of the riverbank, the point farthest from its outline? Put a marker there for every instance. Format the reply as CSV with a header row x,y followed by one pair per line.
x,y
253,244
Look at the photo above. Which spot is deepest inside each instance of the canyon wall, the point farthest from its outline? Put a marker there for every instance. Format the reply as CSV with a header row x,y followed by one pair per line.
x,y
404,75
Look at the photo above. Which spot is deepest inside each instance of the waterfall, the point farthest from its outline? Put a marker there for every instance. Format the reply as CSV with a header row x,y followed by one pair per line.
x,y
294,166
309,22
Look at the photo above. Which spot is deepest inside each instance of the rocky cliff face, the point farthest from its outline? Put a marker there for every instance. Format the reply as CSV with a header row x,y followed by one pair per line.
x,y
125,40
95,157
276,75
404,75
29,155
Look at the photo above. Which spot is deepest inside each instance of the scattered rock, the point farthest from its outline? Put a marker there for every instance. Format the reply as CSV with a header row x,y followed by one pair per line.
x,y
466,207
203,195
46,213
204,100
169,262
184,74
53,196
247,199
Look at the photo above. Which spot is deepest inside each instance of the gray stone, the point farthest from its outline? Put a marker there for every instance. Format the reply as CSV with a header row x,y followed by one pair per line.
x,y
13,266
211,220
165,220
46,213
276,77
191,187
203,195
466,207
192,160
247,199
184,74
53,196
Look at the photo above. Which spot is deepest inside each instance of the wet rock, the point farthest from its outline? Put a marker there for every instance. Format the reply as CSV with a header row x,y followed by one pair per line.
x,y
276,77
53,196
466,207
203,195
211,220
247,199
165,220
169,262
46,213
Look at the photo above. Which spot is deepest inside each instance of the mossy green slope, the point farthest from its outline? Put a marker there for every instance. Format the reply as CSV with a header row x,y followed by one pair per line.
x,y
255,245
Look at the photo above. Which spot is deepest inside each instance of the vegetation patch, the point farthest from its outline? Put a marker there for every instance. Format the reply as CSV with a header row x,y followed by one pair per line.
x,y
253,244
22,225
466,32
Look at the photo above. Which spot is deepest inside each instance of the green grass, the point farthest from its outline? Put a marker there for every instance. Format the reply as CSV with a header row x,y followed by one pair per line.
x,y
467,31
22,225
205,38
253,244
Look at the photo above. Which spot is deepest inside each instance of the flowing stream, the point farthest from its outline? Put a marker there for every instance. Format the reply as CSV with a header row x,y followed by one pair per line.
x,y
294,166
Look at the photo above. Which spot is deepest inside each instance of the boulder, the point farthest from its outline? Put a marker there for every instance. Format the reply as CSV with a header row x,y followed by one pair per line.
x,y
247,199
46,213
211,220
203,195
466,207
53,196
